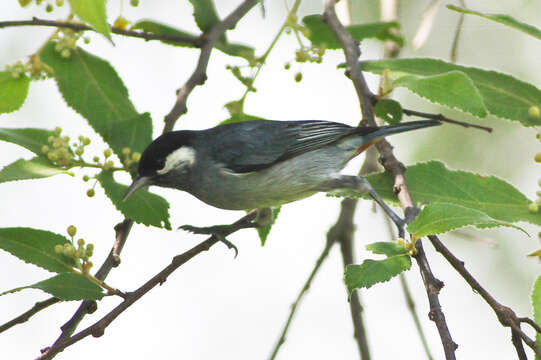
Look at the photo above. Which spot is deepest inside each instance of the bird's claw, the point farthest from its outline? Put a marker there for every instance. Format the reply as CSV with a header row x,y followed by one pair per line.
x,y
217,231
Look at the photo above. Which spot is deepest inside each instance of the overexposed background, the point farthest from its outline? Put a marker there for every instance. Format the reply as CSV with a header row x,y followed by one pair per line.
x,y
219,307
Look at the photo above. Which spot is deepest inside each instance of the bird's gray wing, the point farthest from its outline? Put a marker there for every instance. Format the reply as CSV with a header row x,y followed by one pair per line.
x,y
256,145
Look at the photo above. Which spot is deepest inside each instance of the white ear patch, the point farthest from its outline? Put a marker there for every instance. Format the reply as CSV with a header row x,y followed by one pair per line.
x,y
180,157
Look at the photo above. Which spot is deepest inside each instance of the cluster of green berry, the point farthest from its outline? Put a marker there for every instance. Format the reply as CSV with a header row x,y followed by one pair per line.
x,y
130,158
534,207
80,254
59,150
34,68
66,41
48,7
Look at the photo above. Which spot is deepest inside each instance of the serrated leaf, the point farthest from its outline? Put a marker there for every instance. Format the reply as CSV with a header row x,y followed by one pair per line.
x,y
432,182
389,110
142,207
35,168
387,248
453,89
205,14
371,272
503,95
536,304
13,91
321,35
66,286
228,48
265,230
36,247
29,138
102,99
239,118
438,218
93,13
502,19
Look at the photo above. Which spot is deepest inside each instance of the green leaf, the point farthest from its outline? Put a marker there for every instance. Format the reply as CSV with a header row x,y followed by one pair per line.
x,y
371,272
321,35
13,91
437,218
503,95
35,168
29,138
92,12
389,110
205,14
502,19
453,89
239,118
432,182
153,27
536,304
36,247
142,207
265,230
103,100
66,286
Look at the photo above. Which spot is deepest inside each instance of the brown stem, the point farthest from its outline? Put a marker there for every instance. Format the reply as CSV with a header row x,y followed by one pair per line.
x,y
28,314
194,41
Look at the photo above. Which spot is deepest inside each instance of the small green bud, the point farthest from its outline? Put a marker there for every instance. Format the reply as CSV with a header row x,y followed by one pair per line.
x,y
72,230
86,40
96,159
533,207
45,149
90,193
68,250
65,53
86,141
81,242
24,3
107,153
298,77
79,151
109,165
52,156
538,193
90,247
534,112
136,156
59,249
50,139
59,3
287,66
86,178
537,157
49,8
126,151
134,3
58,130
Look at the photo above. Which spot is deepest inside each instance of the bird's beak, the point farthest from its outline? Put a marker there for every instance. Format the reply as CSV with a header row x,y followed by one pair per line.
x,y
139,183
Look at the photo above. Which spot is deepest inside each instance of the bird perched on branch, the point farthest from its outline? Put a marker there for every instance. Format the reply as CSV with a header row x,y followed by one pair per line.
x,y
262,163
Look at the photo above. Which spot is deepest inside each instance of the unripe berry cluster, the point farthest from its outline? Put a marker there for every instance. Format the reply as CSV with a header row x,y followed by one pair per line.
x,y
66,41
130,158
121,23
48,7
34,68
534,206
58,150
79,253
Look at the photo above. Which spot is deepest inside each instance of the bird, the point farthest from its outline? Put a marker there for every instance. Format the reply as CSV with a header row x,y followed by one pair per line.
x,y
259,164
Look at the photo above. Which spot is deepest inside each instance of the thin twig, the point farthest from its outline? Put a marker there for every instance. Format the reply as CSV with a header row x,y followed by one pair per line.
x,y
199,75
28,314
304,290
391,164
98,328
440,117
194,41
458,31
506,315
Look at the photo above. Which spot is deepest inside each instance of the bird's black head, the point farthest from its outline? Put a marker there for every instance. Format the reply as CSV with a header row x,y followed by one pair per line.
x,y
165,154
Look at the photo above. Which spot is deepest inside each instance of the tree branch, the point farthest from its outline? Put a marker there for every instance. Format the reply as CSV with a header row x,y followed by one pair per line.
x,y
194,41
98,328
199,75
391,164
28,314
506,315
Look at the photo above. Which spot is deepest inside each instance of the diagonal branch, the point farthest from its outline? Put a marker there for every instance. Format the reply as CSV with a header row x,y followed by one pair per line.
x,y
190,40
26,315
391,164
199,75
98,328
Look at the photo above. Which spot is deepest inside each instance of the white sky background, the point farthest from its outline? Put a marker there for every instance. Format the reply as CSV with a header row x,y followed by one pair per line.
x,y
218,307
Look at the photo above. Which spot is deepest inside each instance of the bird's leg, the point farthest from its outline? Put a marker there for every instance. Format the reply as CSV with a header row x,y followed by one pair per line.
x,y
359,183
254,219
